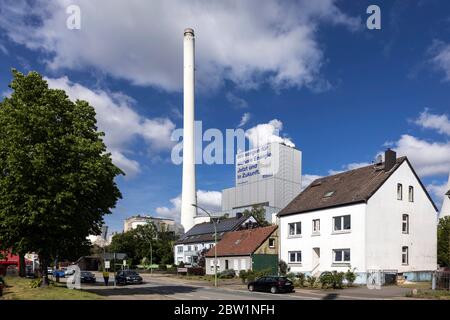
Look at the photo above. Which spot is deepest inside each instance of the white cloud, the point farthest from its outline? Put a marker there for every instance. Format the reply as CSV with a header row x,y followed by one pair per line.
x,y
440,52
245,118
267,132
347,167
440,123
120,122
235,101
307,179
437,191
210,200
246,42
428,158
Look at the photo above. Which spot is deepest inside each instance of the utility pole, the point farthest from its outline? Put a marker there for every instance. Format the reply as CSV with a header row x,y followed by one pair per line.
x,y
215,242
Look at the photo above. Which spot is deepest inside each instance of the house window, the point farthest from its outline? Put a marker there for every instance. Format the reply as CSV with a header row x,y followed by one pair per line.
x,y
399,191
411,194
341,223
295,228
195,248
189,248
180,249
295,257
316,225
211,245
405,223
341,255
405,254
271,242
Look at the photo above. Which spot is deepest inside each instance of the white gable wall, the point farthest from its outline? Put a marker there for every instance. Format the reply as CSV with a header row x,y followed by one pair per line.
x,y
384,236
326,241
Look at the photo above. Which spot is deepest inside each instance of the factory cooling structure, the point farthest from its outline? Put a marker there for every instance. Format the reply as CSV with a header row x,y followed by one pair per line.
x,y
188,194
268,176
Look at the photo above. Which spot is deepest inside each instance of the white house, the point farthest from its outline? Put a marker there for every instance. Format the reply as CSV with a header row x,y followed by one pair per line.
x,y
379,217
200,237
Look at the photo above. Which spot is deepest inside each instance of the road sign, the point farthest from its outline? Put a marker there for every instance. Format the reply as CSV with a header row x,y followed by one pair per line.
x,y
107,264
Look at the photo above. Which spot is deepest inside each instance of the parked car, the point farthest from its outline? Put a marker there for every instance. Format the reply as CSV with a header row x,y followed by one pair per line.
x,y
128,277
271,284
87,277
49,270
59,273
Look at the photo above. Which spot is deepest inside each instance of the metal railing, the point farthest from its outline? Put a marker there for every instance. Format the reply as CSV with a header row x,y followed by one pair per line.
x,y
442,280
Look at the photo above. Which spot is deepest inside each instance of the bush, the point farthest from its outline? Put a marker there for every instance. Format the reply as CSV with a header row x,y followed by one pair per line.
x,y
162,267
291,276
350,276
311,281
172,269
36,283
263,272
227,274
300,279
331,279
251,276
196,271
181,264
283,267
243,275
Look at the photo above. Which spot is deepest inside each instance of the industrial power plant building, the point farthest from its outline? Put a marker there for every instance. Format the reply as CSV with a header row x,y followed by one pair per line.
x,y
269,175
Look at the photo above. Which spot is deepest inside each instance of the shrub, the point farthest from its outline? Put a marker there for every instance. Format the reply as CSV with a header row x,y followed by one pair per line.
x,y
227,274
243,275
311,281
350,276
291,276
300,279
263,272
283,267
196,271
331,279
181,264
36,283
162,267
251,276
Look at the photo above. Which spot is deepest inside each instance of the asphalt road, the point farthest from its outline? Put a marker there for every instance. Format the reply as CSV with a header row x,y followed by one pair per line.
x,y
169,288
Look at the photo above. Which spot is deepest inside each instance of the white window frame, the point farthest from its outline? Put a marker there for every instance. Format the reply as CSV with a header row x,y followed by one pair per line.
x,y
343,261
342,218
399,191
296,233
297,253
405,252
405,222
411,194
179,249
316,230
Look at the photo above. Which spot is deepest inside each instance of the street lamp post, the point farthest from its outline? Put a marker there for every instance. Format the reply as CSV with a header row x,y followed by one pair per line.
x,y
215,242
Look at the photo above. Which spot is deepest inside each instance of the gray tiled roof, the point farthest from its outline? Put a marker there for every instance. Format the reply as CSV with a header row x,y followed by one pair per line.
x,y
345,188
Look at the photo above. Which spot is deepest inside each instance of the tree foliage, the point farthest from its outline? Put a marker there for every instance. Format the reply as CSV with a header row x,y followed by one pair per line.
x,y
56,178
138,243
443,245
259,213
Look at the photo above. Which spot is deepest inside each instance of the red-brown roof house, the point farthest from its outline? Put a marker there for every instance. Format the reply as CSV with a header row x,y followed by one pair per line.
x,y
250,249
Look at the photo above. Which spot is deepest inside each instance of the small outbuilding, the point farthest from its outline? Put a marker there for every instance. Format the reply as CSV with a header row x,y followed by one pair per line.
x,y
251,249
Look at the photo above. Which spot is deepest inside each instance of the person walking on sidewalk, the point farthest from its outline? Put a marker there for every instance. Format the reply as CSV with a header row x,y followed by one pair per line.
x,y
106,277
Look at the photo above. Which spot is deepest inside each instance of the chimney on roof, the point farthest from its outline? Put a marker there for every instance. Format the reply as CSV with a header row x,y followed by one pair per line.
x,y
390,158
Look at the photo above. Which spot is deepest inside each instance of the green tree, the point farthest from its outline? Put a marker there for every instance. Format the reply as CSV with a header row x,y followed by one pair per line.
x,y
443,244
56,178
259,213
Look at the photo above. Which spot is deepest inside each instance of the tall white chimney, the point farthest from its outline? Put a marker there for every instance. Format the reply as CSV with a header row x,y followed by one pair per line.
x,y
188,195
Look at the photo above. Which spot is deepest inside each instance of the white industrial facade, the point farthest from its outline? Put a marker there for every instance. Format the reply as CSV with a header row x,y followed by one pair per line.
x,y
395,229
269,175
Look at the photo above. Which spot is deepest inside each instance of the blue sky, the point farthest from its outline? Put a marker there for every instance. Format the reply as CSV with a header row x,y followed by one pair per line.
x,y
341,91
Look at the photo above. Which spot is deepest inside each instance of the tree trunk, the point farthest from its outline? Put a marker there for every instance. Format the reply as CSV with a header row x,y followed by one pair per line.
x,y
43,265
21,265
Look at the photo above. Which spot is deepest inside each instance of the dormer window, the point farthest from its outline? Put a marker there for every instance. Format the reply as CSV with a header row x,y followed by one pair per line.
x,y
399,191
328,194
